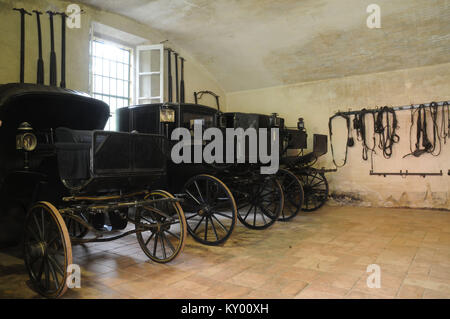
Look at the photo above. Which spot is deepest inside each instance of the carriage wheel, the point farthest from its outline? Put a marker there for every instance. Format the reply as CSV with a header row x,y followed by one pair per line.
x,y
263,203
315,187
293,194
161,228
47,250
210,209
76,230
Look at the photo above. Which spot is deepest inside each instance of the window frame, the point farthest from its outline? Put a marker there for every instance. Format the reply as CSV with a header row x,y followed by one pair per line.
x,y
161,73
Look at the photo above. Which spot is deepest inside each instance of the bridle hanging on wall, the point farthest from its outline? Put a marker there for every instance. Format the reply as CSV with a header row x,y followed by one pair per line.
x,y
387,133
445,125
359,124
422,138
349,138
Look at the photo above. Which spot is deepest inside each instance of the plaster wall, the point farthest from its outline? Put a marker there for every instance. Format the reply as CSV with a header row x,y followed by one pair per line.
x,y
352,184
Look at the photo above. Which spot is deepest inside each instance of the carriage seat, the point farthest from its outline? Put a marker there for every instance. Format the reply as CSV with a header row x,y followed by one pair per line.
x,y
73,148
299,160
67,135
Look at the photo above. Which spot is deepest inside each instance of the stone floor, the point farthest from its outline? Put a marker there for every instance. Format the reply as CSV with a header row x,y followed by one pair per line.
x,y
324,254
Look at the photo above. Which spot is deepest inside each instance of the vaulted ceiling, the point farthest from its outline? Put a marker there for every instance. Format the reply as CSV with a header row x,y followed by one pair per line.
x,y
249,44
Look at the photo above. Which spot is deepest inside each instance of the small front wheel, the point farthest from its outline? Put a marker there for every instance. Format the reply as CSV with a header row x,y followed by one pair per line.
x,y
210,208
261,204
47,250
161,227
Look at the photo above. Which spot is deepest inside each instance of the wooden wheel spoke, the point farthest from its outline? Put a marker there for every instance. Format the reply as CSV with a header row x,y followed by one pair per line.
x,y
222,214
155,245
149,238
168,242
199,192
47,274
269,193
220,223
53,274
206,228
248,212
56,265
163,246
41,236
214,228
196,227
174,235
190,217
33,233
193,197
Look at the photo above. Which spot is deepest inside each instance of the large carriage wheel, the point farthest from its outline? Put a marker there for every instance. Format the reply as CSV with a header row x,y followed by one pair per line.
x,y
47,250
210,209
293,194
161,228
263,202
315,187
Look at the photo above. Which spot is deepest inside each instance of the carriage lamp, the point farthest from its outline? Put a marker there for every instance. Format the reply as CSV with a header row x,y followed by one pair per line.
x,y
26,141
301,124
25,138
275,120
167,115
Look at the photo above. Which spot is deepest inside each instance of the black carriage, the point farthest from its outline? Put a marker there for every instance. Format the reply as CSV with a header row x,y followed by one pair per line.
x,y
208,203
260,197
314,191
215,195
78,183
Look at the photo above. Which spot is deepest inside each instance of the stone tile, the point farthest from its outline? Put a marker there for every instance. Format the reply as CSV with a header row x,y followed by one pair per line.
x,y
320,255
410,292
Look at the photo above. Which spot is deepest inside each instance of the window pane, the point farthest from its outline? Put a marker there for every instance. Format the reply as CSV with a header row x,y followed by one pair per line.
x,y
155,60
110,76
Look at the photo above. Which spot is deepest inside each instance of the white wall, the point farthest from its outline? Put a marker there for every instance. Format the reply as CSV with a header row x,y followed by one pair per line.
x,y
317,101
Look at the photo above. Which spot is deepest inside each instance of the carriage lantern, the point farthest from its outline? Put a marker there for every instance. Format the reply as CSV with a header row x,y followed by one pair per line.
x,y
301,124
275,121
167,115
25,140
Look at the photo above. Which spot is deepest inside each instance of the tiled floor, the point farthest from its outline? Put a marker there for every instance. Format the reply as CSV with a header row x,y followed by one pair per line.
x,y
324,254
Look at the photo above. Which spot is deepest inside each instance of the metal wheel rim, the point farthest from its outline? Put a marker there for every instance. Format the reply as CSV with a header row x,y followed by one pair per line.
x,y
47,250
293,194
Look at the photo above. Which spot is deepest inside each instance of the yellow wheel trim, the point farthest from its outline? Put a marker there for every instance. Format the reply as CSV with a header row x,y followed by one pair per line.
x,y
66,242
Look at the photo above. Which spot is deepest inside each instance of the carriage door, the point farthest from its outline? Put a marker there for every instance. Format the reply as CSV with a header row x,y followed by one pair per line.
x,y
150,74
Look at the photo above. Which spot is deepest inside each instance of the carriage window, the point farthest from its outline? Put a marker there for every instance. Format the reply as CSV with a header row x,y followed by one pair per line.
x,y
111,76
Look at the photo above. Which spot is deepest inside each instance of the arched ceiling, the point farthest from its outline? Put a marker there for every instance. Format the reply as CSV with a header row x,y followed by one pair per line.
x,y
250,44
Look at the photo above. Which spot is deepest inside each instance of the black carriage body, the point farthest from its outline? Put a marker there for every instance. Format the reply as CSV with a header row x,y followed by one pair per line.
x,y
45,109
146,118
72,152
